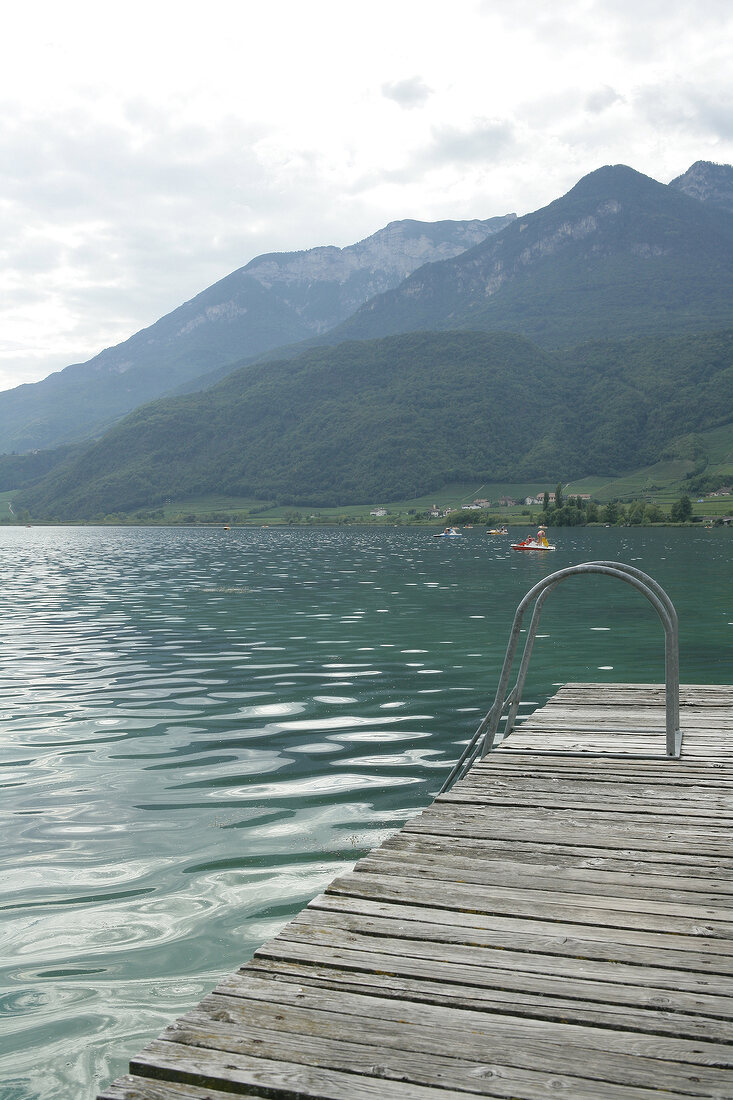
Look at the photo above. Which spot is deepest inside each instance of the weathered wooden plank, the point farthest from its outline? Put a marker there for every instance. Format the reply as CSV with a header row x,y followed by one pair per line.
x,y
131,1087
653,813
561,854
557,921
471,919
603,747
526,934
681,789
481,965
690,807
447,868
592,879
632,722
510,827
365,1005
654,828
489,1079
617,912
589,985
591,1053
223,1069
583,743
618,769
552,998
636,710
638,705
651,826
594,691
235,1017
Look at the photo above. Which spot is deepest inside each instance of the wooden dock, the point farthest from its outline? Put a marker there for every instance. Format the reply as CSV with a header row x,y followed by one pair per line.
x,y
554,925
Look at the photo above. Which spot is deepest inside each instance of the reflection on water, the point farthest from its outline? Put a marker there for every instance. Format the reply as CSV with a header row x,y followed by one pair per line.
x,y
201,728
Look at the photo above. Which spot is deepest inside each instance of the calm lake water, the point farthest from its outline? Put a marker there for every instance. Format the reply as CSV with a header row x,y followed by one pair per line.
x,y
201,728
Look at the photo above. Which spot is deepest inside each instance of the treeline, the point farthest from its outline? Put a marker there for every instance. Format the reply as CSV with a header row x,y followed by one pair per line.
x,y
576,512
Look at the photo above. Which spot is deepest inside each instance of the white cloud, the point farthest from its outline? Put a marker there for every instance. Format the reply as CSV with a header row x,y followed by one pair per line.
x,y
483,141
689,109
144,154
411,92
601,99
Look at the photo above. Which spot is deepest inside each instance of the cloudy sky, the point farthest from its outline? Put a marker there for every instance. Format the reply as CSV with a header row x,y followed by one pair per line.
x,y
148,149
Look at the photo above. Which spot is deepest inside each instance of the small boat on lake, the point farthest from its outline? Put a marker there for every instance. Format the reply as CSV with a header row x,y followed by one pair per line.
x,y
449,533
534,542
503,530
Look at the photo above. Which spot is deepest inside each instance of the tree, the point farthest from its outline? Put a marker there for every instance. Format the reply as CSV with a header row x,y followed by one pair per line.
x,y
558,496
681,511
545,501
636,513
609,514
654,513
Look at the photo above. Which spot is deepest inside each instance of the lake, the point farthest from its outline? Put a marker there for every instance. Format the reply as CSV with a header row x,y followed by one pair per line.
x,y
201,728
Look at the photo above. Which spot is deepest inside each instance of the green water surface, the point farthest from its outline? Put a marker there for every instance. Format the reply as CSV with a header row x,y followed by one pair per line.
x,y
200,728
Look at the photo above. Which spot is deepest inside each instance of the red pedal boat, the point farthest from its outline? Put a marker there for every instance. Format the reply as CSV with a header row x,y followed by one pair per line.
x,y
534,542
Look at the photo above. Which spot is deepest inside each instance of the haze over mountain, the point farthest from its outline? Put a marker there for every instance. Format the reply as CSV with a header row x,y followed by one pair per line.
x,y
624,287
275,299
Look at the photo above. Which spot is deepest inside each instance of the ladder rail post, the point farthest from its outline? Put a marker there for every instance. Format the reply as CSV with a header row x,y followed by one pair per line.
x,y
524,665
653,592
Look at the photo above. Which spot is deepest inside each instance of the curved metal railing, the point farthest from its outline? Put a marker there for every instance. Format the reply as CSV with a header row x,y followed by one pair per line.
x,y
487,734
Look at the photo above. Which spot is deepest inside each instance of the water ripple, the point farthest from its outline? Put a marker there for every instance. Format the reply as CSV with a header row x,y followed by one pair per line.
x,y
181,772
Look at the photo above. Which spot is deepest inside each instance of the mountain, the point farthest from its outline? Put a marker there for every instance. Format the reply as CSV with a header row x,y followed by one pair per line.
x,y
386,419
586,337
274,300
619,255
707,182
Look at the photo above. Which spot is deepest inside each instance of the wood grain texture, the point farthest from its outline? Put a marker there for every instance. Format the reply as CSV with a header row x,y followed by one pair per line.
x,y
556,923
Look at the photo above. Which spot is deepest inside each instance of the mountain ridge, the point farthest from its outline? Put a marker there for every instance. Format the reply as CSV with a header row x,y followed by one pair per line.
x,y
614,230
275,299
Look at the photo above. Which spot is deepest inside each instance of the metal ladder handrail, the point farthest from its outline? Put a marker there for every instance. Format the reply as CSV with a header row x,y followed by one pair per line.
x,y
485,736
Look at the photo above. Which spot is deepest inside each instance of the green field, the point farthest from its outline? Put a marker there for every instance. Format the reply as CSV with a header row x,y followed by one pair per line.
x,y
663,483
222,509
649,483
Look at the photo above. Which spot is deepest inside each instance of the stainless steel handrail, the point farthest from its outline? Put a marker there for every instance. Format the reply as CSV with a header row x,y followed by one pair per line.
x,y
486,736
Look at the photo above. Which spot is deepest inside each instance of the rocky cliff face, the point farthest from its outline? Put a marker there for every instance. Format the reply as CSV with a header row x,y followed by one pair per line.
x,y
707,182
324,286
389,255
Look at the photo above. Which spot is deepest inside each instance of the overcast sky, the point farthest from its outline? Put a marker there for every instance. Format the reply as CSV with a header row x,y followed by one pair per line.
x,y
149,149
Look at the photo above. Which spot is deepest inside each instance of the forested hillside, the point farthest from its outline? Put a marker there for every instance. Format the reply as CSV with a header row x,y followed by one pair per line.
x,y
388,418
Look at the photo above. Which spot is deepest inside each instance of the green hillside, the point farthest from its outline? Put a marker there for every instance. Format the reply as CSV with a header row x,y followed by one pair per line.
x,y
399,417
337,425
